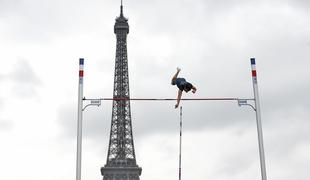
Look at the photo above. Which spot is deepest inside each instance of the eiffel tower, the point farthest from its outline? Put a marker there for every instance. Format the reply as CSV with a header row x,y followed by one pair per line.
x,y
121,160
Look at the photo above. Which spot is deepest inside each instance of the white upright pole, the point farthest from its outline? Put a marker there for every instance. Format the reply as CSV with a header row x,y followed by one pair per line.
x,y
180,145
258,121
79,124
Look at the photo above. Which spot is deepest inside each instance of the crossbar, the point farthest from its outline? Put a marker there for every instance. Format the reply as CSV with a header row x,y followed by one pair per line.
x,y
169,99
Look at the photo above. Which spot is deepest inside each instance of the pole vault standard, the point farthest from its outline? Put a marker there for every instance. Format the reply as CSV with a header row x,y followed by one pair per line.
x,y
258,121
241,102
79,124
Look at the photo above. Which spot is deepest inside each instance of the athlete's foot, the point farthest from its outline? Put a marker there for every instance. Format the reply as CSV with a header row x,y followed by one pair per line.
x,y
178,69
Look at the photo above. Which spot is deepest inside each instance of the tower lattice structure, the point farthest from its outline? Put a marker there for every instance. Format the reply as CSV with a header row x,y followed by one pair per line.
x,y
121,160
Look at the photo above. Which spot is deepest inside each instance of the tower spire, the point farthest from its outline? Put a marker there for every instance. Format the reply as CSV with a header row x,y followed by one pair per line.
x,y
121,7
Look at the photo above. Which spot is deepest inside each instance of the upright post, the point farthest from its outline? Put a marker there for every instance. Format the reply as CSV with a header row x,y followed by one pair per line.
x,y
180,145
79,123
258,121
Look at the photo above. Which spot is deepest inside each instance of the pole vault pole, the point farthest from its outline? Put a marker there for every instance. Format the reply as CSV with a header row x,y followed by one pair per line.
x,y
258,121
180,145
79,123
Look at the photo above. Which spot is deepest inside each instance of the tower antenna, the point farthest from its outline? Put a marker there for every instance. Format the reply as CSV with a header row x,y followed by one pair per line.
x,y
121,7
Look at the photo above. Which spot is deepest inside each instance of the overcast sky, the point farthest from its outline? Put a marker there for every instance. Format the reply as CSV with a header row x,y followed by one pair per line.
x,y
211,41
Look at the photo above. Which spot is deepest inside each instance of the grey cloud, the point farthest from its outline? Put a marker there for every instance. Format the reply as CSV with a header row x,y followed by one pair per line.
x,y
151,118
95,123
237,162
24,73
302,4
22,79
5,125
282,141
43,21
1,77
25,81
7,6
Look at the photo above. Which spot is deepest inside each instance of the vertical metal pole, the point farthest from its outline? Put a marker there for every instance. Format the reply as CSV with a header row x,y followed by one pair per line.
x,y
180,148
258,121
79,123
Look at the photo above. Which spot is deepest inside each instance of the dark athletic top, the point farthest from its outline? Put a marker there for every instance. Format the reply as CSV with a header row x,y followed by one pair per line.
x,y
180,82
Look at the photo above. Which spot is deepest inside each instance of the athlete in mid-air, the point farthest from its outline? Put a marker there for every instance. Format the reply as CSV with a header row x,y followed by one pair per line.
x,y
183,85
